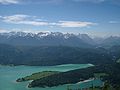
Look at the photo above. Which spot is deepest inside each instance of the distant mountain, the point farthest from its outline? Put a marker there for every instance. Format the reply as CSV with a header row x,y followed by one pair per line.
x,y
53,48
46,39
56,39
87,39
111,41
98,40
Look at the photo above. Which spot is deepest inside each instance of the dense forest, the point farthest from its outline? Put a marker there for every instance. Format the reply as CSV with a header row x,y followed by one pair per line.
x,y
55,55
71,77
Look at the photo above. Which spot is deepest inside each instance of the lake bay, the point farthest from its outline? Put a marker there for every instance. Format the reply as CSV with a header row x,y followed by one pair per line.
x,y
9,74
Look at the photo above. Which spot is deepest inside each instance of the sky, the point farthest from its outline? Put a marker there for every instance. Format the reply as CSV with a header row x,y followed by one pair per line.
x,y
93,17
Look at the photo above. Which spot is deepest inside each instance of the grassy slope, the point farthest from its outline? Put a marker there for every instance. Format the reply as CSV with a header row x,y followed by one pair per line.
x,y
38,75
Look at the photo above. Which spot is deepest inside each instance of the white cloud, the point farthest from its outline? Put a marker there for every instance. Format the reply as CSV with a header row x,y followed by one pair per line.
x,y
33,20
23,19
74,24
9,1
15,18
113,22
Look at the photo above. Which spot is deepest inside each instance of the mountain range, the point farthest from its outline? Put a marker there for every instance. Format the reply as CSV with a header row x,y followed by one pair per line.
x,y
53,48
46,39
56,39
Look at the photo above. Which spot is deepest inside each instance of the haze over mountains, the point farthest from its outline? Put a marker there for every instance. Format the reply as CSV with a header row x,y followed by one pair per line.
x,y
56,39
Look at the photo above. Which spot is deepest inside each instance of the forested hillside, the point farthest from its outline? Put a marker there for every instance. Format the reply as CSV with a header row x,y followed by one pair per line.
x,y
54,55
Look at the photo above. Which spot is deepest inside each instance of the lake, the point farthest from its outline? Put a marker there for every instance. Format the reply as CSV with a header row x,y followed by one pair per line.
x,y
9,74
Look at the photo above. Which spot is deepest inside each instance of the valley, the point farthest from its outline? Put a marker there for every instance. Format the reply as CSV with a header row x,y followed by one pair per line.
x,y
59,44
66,57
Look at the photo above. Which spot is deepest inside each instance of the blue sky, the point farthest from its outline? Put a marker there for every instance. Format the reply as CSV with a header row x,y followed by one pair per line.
x,y
94,17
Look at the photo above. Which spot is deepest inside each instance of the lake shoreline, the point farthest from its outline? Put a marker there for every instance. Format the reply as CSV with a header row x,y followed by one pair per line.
x,y
12,65
9,74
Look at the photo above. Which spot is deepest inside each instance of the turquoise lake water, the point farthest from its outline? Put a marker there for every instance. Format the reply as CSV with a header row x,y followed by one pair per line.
x,y
8,75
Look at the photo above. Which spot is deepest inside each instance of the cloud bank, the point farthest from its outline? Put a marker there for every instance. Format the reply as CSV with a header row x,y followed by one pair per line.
x,y
34,21
23,19
74,24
